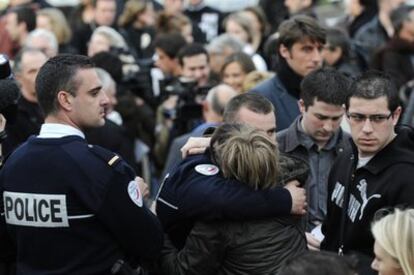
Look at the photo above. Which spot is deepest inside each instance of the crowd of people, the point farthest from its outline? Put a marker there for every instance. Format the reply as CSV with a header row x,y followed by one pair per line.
x,y
140,137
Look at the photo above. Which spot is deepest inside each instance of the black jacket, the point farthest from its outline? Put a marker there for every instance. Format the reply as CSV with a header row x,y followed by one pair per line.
x,y
395,59
28,121
385,181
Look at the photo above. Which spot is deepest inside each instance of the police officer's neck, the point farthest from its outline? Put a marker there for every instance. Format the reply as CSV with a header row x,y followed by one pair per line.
x,y
59,119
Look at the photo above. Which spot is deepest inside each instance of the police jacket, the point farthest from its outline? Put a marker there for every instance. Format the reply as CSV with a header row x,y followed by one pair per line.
x,y
232,245
71,208
356,194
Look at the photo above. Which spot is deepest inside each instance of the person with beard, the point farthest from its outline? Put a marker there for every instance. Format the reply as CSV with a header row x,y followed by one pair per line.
x,y
396,57
299,51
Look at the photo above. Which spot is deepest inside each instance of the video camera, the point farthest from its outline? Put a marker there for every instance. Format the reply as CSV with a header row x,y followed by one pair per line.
x,y
190,96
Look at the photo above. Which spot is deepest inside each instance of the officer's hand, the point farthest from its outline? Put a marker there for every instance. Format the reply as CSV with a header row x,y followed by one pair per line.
x,y
143,187
195,146
313,243
298,197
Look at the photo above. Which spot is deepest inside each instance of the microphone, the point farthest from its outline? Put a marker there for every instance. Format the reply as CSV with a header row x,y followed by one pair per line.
x,y
9,95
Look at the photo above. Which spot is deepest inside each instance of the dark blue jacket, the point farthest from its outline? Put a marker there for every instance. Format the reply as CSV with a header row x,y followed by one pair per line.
x,y
73,208
286,106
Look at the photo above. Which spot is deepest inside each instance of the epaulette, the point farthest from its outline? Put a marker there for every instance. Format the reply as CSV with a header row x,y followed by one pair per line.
x,y
107,156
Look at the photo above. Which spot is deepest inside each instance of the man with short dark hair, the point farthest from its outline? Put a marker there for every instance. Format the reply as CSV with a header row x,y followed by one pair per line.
x,y
82,202
19,22
194,61
299,47
167,47
316,135
375,173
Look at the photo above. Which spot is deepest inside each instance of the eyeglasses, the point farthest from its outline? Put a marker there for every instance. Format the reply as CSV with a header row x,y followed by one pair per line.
x,y
359,118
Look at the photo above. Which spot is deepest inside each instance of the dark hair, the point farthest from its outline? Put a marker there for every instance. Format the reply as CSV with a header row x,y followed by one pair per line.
x,y
375,84
25,15
319,263
58,74
190,50
111,63
253,102
241,58
298,28
170,43
336,37
327,85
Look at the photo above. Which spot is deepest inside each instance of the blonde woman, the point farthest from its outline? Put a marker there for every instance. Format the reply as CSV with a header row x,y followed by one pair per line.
x,y
54,20
249,157
394,243
137,25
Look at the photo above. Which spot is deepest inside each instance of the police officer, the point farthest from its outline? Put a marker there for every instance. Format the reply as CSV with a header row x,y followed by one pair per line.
x,y
70,207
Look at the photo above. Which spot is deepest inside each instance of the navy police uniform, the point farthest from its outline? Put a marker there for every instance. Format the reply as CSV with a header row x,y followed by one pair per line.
x,y
198,191
72,208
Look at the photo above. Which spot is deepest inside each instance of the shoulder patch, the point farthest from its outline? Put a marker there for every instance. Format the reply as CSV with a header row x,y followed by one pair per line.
x,y
109,157
134,193
207,169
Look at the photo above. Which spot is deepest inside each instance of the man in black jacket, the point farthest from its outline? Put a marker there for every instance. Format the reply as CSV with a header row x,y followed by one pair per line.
x,y
376,173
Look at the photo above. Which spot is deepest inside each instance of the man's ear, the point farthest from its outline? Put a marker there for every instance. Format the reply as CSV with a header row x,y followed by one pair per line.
x,y
65,100
301,105
284,51
396,115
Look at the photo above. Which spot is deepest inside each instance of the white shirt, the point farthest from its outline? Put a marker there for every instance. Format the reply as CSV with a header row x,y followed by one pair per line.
x,y
56,130
363,161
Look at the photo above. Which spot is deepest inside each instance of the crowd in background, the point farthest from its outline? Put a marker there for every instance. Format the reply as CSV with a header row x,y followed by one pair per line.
x,y
170,69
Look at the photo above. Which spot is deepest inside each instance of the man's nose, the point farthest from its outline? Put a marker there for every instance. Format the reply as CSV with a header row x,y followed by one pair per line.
x,y
317,55
327,126
367,126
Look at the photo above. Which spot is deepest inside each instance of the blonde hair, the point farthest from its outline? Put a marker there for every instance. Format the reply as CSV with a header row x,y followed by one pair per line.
x,y
59,24
115,38
171,23
254,78
243,21
395,233
131,10
246,154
